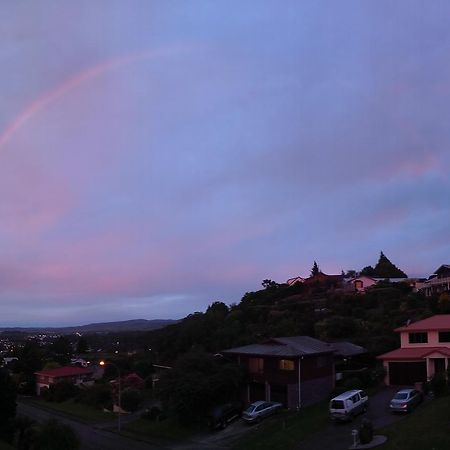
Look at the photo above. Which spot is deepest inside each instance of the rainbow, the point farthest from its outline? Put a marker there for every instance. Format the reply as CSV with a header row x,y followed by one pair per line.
x,y
68,85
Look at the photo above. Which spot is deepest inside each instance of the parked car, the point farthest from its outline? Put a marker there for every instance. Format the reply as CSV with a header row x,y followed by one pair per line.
x,y
346,406
260,409
405,400
221,415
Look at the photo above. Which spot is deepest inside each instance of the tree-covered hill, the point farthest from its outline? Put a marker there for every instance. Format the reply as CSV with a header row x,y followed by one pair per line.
x,y
282,310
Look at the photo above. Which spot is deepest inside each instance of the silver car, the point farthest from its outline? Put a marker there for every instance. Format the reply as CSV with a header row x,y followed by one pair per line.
x,y
405,400
260,409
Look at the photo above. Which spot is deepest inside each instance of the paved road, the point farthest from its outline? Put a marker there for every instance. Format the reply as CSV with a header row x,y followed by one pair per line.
x,y
339,436
91,438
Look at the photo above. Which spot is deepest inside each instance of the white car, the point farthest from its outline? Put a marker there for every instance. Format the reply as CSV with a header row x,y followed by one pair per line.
x,y
347,405
260,409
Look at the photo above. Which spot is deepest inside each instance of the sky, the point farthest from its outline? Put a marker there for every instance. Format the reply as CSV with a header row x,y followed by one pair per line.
x,y
159,155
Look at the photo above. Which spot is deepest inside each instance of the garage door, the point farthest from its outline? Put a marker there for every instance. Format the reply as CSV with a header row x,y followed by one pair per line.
x,y
407,373
278,394
257,392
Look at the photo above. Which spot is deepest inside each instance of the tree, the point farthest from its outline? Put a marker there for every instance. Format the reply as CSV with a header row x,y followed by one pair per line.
x,y
196,383
53,435
315,269
368,271
8,405
385,269
82,345
269,284
62,349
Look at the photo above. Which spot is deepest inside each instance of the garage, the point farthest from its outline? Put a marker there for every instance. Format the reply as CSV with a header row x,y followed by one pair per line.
x,y
257,391
407,373
278,393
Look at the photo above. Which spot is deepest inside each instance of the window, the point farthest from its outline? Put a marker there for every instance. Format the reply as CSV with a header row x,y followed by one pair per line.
x,y
286,364
256,365
358,284
418,338
444,336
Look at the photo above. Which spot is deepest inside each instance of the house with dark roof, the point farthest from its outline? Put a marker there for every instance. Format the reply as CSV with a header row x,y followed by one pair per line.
x,y
424,350
437,283
69,374
296,371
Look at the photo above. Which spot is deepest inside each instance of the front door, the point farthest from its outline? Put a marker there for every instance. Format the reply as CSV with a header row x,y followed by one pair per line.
x,y
439,365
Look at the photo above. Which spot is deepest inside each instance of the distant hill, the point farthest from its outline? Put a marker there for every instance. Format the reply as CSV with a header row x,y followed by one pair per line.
x,y
124,325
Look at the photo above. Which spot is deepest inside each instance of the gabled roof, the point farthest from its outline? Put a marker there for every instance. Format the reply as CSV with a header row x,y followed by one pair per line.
x,y
294,346
414,353
347,349
437,322
67,371
295,280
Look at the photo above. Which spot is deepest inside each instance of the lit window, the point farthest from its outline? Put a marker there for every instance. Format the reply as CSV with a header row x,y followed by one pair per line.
x,y
286,364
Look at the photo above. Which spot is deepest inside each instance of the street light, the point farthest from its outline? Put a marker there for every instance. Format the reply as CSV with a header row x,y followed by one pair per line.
x,y
103,363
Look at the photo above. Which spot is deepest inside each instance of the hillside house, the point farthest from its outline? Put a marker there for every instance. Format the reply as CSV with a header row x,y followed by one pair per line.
x,y
295,280
437,283
360,284
296,371
68,374
424,350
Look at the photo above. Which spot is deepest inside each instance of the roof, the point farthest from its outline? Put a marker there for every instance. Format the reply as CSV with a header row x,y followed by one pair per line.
x,y
347,349
414,353
294,346
66,371
437,322
444,266
347,394
295,280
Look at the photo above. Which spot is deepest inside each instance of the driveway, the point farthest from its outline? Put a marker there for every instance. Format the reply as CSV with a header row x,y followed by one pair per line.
x,y
339,436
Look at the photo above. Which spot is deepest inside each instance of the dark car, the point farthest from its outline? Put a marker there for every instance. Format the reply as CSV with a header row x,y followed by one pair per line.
x,y
221,415
405,400
260,409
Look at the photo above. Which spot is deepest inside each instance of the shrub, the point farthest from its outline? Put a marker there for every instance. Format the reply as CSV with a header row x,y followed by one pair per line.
x,y
353,383
53,435
438,384
365,431
131,399
61,392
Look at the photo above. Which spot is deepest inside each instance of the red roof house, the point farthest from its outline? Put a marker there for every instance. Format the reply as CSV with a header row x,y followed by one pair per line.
x,y
424,350
70,374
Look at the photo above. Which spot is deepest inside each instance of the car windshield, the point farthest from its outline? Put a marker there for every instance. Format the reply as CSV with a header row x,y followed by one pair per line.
x,y
401,396
250,409
337,404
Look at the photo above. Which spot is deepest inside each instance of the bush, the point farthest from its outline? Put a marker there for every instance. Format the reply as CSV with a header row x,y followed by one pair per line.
x,y
97,396
53,435
438,384
365,431
153,414
131,399
60,392
353,383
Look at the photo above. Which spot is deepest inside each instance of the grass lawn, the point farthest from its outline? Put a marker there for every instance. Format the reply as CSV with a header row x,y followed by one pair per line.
x,y
428,427
79,411
286,430
168,429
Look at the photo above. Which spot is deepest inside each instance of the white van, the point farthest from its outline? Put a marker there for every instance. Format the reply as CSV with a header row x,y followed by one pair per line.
x,y
348,405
